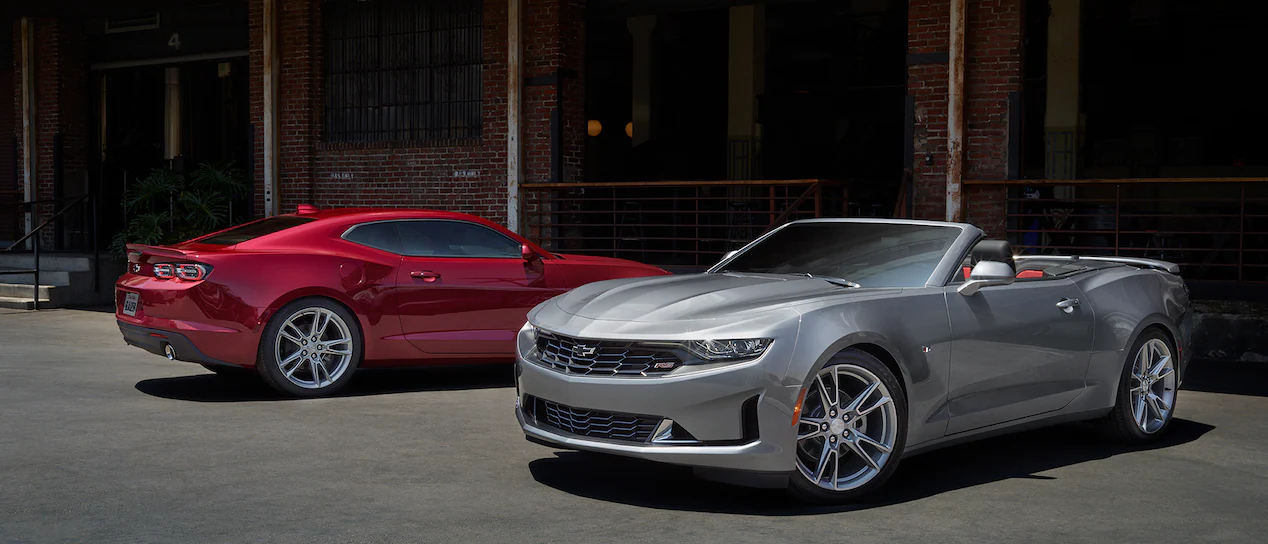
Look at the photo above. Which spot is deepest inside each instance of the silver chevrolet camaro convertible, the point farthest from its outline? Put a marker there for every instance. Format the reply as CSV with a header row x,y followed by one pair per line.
x,y
822,353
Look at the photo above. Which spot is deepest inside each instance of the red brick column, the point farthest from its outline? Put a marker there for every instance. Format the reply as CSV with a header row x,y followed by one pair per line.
x,y
992,70
61,84
468,175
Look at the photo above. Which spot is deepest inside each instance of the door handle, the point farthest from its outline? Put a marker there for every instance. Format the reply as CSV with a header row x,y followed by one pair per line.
x,y
1067,305
426,275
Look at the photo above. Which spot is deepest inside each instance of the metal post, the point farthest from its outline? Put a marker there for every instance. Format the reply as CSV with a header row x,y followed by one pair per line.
x,y
28,119
955,112
96,249
1118,206
35,243
1241,231
272,191
514,112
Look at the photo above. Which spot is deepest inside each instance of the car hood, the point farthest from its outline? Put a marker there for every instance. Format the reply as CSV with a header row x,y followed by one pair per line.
x,y
693,297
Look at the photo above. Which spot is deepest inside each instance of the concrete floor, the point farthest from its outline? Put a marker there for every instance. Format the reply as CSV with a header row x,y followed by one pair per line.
x,y
100,442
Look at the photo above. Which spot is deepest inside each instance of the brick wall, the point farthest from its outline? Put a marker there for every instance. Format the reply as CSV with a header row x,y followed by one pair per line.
x,y
992,70
61,104
466,175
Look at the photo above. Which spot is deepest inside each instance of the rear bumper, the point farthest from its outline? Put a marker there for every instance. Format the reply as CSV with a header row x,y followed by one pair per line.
x,y
197,319
156,341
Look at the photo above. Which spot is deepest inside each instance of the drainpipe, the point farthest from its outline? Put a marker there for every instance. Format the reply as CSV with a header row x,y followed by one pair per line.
x,y
955,113
28,120
272,193
514,113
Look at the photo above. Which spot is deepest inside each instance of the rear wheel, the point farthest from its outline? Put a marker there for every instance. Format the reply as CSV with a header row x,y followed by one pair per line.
x,y
852,430
310,348
1146,391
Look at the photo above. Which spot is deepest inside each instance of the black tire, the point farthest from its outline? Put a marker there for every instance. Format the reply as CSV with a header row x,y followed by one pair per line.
x,y
1120,424
801,488
230,372
267,363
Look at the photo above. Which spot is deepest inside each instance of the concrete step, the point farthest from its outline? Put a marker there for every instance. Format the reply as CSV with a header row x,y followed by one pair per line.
x,y
72,262
21,303
66,279
47,277
26,290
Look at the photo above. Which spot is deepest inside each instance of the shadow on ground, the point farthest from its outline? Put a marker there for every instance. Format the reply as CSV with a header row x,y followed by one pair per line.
x,y
1025,455
1233,377
216,388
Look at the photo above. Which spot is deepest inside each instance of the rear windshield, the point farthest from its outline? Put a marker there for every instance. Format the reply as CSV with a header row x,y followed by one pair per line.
x,y
251,231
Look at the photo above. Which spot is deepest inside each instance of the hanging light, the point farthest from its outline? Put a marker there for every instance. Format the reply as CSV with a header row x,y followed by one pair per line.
x,y
629,129
594,127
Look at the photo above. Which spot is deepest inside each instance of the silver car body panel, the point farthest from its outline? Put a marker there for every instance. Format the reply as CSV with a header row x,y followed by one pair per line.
x,y
1003,359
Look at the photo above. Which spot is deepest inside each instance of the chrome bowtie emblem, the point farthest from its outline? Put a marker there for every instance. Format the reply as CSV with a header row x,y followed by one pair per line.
x,y
136,268
584,350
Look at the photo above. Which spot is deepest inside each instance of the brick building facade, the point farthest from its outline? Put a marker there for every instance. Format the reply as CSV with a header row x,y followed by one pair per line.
x,y
467,175
471,174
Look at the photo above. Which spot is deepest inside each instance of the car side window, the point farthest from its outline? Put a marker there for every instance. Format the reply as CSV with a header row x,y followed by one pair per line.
x,y
445,238
376,235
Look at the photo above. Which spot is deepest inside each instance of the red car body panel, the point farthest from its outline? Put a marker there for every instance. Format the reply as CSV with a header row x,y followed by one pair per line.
x,y
410,310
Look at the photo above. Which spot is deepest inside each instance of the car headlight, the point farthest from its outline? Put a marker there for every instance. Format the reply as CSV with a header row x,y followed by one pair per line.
x,y
531,331
728,350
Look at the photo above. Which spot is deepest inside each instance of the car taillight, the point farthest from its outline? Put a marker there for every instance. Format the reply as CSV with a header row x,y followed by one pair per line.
x,y
181,271
191,272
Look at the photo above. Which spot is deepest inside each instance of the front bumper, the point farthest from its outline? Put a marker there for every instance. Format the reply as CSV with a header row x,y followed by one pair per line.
x,y
709,404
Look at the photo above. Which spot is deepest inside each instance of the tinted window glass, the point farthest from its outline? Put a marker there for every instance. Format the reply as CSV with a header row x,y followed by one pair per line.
x,y
870,254
251,231
454,239
376,235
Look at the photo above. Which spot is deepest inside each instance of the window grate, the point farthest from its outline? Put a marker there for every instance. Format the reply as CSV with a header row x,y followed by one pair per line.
x,y
403,70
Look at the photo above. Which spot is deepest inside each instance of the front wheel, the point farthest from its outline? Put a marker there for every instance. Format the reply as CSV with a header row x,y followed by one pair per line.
x,y
852,429
310,348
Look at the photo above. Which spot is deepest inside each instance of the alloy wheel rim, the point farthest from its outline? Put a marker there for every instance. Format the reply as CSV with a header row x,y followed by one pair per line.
x,y
1153,386
313,348
847,432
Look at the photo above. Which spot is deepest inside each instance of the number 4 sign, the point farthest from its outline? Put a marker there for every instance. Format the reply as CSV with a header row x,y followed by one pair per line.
x,y
175,41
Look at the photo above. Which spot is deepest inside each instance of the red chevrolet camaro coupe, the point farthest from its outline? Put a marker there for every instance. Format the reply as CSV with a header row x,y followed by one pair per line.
x,y
306,299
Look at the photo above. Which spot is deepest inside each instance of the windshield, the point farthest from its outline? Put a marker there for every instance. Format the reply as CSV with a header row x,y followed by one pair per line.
x,y
869,254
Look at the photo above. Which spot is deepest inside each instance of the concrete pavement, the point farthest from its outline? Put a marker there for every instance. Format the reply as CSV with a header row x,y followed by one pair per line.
x,y
100,442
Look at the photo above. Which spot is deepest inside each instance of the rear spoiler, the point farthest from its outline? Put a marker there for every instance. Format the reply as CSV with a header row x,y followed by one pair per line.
x,y
1163,266
156,251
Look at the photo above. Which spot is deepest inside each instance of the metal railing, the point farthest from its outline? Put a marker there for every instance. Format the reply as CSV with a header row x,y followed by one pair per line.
x,y
686,224
1216,229
79,202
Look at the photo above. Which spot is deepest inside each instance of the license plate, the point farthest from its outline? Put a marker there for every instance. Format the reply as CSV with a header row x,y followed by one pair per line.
x,y
130,302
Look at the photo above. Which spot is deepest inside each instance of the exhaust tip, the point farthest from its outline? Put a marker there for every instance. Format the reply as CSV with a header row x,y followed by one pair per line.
x,y
170,352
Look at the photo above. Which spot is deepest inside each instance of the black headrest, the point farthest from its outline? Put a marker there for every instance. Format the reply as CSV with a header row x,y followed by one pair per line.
x,y
993,250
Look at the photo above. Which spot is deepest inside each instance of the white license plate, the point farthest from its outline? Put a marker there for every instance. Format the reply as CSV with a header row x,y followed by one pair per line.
x,y
130,302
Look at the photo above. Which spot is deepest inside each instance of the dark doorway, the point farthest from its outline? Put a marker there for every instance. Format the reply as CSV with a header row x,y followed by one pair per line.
x,y
213,127
830,105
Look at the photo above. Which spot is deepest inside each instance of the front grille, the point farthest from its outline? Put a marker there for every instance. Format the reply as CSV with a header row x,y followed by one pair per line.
x,y
593,423
603,358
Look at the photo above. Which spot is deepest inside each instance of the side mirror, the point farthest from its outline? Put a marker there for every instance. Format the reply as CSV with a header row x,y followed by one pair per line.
x,y
986,274
528,254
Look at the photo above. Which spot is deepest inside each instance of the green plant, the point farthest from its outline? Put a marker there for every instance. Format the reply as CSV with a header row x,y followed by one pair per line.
x,y
167,207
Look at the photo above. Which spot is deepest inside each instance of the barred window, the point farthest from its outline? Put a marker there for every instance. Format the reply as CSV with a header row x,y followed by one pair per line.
x,y
402,70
